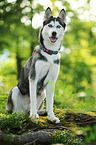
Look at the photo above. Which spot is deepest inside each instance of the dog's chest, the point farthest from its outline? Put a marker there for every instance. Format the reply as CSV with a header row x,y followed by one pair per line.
x,y
46,72
47,69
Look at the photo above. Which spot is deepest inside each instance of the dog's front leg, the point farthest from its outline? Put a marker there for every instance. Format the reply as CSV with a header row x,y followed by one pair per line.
x,y
49,94
33,101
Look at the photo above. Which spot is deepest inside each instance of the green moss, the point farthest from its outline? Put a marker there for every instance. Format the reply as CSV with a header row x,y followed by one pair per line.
x,y
41,121
20,138
9,138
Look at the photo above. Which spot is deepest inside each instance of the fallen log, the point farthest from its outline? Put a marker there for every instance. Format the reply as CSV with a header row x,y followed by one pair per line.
x,y
40,136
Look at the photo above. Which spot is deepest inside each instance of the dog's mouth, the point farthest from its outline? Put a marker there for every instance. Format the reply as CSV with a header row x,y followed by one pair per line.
x,y
53,39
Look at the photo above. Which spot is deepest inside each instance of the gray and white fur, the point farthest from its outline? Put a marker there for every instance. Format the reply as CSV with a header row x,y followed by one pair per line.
x,y
41,70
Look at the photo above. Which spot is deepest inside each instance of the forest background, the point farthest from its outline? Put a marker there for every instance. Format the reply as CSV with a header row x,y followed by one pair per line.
x,y
20,21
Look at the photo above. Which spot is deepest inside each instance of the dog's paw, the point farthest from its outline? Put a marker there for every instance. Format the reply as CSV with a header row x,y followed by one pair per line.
x,y
55,119
34,116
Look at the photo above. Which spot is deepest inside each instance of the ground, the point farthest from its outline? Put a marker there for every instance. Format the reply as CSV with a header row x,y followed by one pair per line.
x,y
74,128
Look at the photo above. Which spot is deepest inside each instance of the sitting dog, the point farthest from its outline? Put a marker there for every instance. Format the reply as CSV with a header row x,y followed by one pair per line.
x,y
41,70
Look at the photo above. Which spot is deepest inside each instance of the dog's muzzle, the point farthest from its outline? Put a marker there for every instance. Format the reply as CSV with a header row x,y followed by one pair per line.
x,y
53,38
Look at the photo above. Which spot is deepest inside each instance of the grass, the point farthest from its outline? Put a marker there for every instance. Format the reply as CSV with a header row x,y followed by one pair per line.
x,y
80,102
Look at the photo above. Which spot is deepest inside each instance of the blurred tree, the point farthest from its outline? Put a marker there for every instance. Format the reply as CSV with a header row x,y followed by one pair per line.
x,y
79,42
17,33
18,36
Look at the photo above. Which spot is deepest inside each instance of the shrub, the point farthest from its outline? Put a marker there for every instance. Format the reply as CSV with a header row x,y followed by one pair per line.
x,y
14,122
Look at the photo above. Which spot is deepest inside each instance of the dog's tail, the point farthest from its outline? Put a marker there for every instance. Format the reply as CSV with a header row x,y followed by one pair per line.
x,y
9,105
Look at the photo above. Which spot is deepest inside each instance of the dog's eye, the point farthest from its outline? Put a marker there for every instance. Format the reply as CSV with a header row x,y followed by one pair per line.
x,y
50,26
58,26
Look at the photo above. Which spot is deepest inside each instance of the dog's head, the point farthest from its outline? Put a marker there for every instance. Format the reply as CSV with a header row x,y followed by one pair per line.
x,y
53,29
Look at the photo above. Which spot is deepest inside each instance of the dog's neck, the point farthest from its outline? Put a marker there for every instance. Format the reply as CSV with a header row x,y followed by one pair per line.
x,y
51,48
50,52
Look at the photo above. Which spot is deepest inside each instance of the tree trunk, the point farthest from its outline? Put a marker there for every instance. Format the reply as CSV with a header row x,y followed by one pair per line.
x,y
19,67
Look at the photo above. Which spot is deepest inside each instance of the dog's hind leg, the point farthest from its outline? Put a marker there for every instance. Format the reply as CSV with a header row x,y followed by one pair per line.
x,y
9,105
17,100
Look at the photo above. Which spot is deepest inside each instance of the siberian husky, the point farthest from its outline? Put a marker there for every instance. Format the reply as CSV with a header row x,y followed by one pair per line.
x,y
41,70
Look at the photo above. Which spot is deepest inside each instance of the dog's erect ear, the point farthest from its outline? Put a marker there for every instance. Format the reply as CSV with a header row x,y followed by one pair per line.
x,y
62,15
47,14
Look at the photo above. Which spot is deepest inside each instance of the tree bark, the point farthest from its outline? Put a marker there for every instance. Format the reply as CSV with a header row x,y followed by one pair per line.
x,y
19,67
39,136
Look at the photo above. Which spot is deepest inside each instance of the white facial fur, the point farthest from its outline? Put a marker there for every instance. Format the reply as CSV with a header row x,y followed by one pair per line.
x,y
47,33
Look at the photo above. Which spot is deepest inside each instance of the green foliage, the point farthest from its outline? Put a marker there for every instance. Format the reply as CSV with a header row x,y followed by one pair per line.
x,y
90,135
76,73
13,123
66,98
3,101
64,138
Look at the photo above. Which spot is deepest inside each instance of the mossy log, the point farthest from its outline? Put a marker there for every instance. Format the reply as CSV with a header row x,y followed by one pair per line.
x,y
41,131
29,138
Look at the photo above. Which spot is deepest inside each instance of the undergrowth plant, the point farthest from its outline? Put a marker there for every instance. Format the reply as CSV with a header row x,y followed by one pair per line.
x,y
90,135
65,138
14,122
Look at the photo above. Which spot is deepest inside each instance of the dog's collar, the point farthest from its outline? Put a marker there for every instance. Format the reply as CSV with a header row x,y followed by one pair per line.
x,y
50,52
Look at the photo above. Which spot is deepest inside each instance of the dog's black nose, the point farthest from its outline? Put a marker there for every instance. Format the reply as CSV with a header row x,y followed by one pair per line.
x,y
54,33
